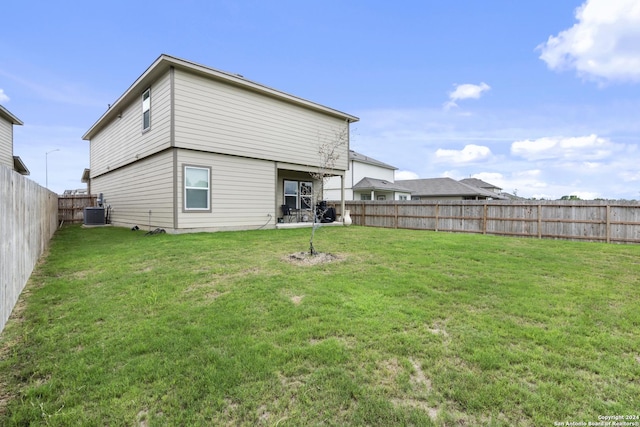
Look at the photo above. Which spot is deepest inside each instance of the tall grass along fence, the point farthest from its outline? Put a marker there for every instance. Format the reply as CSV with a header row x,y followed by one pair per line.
x,y
602,221
28,219
71,208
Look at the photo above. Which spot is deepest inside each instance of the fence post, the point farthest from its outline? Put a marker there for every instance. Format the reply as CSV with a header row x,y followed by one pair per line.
x,y
608,223
484,219
437,214
539,221
364,214
396,216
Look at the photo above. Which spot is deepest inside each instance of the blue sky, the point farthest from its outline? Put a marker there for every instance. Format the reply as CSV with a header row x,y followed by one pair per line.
x,y
541,98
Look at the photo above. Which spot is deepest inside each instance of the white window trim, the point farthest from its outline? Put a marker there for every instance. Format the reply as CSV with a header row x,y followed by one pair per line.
x,y
146,106
184,179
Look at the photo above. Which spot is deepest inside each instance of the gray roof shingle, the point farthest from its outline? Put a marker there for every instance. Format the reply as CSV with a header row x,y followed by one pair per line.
x,y
444,187
379,184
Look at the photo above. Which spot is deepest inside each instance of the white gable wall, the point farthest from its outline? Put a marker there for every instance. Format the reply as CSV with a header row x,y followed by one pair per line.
x,y
357,171
363,170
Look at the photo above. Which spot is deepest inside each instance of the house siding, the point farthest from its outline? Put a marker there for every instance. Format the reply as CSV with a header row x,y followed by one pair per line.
x,y
357,171
122,141
363,170
242,192
218,117
134,190
6,143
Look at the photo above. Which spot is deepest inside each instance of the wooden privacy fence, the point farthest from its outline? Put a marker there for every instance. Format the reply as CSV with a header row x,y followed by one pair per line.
x,y
603,221
28,214
71,208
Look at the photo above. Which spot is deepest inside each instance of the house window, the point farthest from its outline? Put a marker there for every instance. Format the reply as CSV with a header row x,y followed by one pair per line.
x,y
306,195
402,197
146,109
365,197
298,194
381,197
196,188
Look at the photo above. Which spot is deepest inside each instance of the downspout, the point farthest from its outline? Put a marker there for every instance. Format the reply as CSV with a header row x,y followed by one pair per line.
x,y
342,205
172,143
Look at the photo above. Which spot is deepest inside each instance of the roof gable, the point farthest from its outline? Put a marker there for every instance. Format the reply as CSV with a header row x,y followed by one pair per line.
x,y
19,166
7,115
166,62
355,156
475,182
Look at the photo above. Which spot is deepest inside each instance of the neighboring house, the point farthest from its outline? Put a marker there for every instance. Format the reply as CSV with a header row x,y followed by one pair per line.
x,y
76,192
445,189
191,148
366,179
7,121
478,183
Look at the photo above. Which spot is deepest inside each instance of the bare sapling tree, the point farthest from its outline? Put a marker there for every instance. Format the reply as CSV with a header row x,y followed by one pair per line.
x,y
329,149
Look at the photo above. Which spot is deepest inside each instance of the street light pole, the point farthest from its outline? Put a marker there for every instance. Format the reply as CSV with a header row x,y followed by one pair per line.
x,y
46,167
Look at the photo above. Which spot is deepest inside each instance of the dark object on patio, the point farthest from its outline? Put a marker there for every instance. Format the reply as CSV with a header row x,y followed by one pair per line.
x,y
287,213
325,214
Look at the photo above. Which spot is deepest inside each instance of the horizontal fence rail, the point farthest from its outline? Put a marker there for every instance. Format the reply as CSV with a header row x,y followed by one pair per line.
x,y
599,221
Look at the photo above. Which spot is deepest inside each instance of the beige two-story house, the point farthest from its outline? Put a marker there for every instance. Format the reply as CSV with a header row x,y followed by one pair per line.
x,y
191,148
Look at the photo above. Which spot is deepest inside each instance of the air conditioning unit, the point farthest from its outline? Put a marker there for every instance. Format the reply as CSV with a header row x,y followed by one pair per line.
x,y
94,216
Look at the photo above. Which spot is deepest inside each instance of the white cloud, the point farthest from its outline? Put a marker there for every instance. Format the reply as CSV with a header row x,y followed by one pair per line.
x,y
591,147
470,153
604,44
465,91
585,195
3,96
405,175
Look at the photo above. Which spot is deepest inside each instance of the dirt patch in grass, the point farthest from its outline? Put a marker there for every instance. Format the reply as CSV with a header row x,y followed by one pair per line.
x,y
306,259
421,386
297,299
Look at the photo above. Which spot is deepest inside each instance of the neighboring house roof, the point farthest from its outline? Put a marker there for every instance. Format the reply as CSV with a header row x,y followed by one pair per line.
x,y
475,182
510,196
378,184
86,175
444,187
19,166
9,116
165,62
371,161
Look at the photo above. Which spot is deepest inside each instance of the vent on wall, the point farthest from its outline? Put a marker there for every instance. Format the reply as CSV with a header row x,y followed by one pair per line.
x,y
94,216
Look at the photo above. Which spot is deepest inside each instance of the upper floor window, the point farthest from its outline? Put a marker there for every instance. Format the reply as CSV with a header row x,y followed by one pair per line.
x,y
146,109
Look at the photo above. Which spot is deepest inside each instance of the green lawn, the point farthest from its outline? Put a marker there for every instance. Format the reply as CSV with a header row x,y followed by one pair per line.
x,y
406,328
